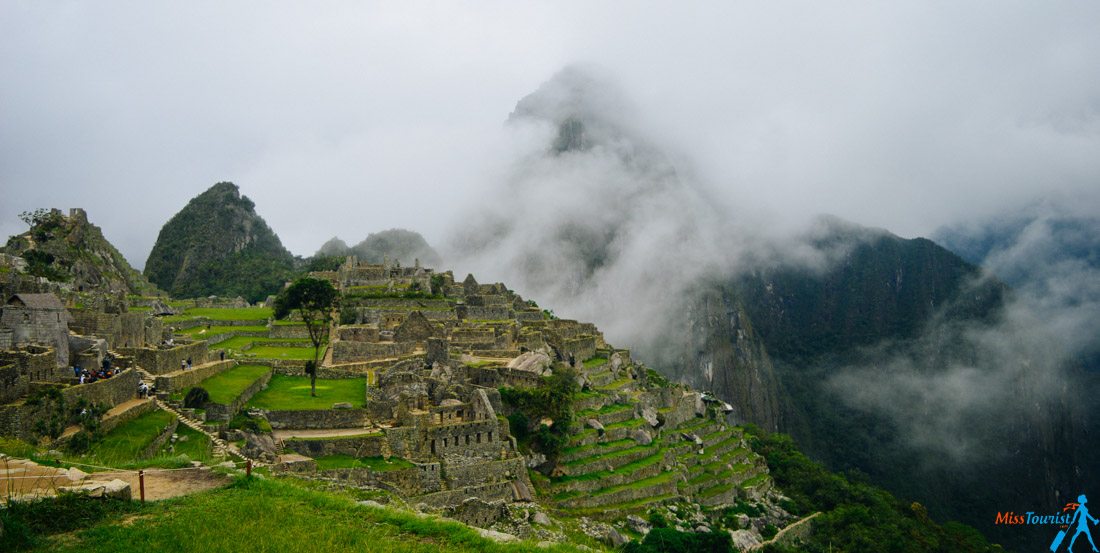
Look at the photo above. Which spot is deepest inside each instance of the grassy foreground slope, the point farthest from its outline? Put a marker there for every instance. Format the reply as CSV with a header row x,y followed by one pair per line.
x,y
251,515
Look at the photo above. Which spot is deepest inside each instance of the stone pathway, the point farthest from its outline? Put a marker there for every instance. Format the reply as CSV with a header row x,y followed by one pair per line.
x,y
322,433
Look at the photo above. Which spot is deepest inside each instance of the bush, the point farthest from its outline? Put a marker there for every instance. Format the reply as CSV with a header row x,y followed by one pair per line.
x,y
196,398
80,442
669,540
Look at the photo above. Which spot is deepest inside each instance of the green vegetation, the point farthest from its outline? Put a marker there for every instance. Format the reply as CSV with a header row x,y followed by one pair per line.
x,y
314,300
201,330
670,540
292,393
128,440
242,342
194,444
595,361
249,515
377,464
553,399
856,516
218,245
223,314
276,352
226,387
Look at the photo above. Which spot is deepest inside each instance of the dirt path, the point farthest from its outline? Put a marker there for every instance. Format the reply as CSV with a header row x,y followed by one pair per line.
x,y
21,477
324,433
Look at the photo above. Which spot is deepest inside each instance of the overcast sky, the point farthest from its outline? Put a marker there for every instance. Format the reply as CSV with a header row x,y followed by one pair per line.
x,y
346,118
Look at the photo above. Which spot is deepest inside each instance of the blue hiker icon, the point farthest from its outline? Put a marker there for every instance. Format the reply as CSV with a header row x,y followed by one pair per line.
x,y
1081,517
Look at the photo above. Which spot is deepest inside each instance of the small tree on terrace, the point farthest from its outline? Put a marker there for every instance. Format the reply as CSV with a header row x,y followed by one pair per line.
x,y
314,300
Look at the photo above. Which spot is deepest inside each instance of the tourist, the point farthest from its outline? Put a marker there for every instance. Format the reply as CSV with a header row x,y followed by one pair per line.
x,y
81,378
189,363
76,371
183,364
222,354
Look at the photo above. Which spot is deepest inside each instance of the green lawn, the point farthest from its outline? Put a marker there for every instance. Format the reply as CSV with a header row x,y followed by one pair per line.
x,y
223,314
196,447
201,330
241,342
226,387
595,361
291,393
125,443
252,516
378,464
278,352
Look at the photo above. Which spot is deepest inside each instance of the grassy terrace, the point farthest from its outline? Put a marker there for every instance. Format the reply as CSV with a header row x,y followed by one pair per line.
x,y
601,474
616,384
377,464
569,451
226,387
662,478
223,314
124,444
594,362
291,393
199,331
613,454
605,410
241,342
278,352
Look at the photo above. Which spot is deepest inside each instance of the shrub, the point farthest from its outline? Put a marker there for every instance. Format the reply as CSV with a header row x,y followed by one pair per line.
x,y
196,398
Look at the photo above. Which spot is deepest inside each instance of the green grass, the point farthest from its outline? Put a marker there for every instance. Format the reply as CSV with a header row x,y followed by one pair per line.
x,y
594,361
628,468
613,454
197,331
125,443
286,322
268,515
196,447
226,387
241,342
291,393
223,314
278,352
377,464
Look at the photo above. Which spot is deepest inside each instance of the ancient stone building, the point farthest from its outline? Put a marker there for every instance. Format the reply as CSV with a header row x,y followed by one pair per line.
x,y
38,319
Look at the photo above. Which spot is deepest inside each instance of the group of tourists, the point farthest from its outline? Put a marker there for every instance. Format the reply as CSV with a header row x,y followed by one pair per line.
x,y
106,370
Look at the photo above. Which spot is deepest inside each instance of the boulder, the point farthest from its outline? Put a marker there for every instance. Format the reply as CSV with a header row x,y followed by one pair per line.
x,y
638,524
700,406
614,538
541,519
743,540
650,416
259,446
593,423
533,361
75,475
642,437
341,405
115,489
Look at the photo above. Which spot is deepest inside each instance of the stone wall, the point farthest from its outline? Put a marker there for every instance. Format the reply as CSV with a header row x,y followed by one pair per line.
x,y
163,360
13,383
288,331
357,333
220,412
180,380
111,391
366,445
407,482
36,363
39,326
473,474
347,352
316,419
489,312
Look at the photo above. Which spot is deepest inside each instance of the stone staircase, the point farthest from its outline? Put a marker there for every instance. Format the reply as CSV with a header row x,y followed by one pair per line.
x,y
221,448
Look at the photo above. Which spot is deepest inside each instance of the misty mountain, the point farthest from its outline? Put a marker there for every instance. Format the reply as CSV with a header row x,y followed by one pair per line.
x,y
403,246
218,245
895,358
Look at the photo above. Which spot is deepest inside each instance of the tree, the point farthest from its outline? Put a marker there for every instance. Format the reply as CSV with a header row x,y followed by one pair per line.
x,y
314,300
